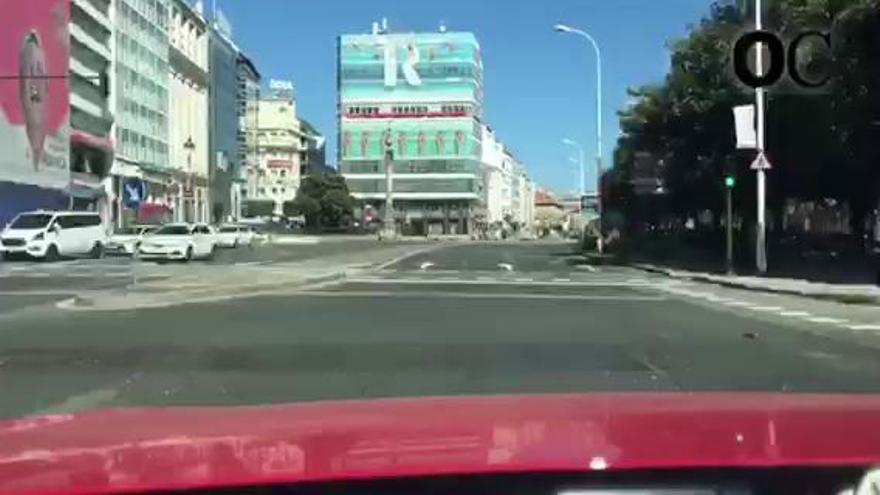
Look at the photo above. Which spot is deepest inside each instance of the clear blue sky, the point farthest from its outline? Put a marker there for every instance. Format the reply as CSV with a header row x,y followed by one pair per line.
x,y
539,84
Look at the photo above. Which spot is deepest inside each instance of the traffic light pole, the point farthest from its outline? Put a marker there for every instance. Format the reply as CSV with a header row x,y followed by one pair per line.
x,y
729,225
388,227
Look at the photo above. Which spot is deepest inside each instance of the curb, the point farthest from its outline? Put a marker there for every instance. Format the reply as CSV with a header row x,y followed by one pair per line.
x,y
841,298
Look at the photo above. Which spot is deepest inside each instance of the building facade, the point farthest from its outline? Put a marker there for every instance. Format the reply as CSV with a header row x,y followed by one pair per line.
x,y
224,175
248,121
422,93
141,99
91,119
280,143
188,113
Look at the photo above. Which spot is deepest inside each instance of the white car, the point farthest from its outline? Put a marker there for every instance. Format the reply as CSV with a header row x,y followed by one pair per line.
x,y
127,241
234,236
50,235
178,241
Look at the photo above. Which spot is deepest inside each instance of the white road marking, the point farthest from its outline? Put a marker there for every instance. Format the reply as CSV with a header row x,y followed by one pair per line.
x,y
800,314
825,319
736,303
484,281
506,266
425,265
248,263
525,279
562,279
767,308
456,295
589,268
863,327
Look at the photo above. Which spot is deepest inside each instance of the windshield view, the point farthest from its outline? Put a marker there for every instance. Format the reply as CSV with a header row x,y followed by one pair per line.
x,y
31,221
519,223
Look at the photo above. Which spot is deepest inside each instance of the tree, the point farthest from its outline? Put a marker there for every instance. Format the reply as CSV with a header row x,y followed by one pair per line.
x,y
821,145
323,200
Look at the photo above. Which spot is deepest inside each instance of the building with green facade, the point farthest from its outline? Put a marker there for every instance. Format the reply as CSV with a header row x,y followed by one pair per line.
x,y
423,93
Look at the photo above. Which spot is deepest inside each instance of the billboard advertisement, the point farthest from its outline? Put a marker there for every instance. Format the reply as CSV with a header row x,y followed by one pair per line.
x,y
403,68
34,103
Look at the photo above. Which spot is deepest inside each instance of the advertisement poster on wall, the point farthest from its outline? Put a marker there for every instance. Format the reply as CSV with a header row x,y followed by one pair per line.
x,y
34,105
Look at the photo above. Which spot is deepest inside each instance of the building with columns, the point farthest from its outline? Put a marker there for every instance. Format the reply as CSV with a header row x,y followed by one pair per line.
x,y
188,112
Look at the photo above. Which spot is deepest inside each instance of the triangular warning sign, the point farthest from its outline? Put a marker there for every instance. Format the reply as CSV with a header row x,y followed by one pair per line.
x,y
761,163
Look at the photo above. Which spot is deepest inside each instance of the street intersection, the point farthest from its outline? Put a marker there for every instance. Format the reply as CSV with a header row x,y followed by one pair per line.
x,y
356,318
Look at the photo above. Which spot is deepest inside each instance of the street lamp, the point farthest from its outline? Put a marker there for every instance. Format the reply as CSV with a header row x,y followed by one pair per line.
x,y
564,28
580,149
189,146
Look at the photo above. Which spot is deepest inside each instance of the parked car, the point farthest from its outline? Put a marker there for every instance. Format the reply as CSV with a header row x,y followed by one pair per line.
x,y
126,241
179,241
49,235
230,235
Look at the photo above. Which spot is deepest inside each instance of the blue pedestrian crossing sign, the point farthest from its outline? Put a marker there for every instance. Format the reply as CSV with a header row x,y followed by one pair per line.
x,y
134,192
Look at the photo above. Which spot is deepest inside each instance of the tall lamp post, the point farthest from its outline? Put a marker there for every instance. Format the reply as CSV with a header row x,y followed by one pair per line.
x,y
580,149
189,146
563,28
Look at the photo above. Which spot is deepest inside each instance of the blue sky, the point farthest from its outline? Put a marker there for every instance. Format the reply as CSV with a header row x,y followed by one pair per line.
x,y
539,84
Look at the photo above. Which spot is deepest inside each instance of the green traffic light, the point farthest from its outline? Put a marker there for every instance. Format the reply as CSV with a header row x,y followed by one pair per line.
x,y
729,181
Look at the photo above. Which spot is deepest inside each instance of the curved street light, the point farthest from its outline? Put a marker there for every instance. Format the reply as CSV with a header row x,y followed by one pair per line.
x,y
580,149
564,28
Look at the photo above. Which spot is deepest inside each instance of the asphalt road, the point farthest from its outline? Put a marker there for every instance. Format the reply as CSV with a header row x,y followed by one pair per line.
x,y
469,318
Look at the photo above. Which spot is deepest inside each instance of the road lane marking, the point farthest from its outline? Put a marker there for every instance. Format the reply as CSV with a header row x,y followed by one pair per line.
x,y
524,279
248,263
863,327
589,268
455,295
506,266
736,303
800,314
824,319
484,281
560,279
424,266
767,308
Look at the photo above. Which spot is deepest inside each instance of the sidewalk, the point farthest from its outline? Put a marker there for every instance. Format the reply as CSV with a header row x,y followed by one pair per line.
x,y
845,293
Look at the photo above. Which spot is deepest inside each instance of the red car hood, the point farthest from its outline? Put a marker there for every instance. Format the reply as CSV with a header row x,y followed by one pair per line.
x,y
139,449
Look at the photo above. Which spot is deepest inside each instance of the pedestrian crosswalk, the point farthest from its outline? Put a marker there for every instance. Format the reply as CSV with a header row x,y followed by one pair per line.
x,y
587,279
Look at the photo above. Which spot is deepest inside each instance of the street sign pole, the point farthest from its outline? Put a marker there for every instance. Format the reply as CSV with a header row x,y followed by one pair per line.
x,y
761,235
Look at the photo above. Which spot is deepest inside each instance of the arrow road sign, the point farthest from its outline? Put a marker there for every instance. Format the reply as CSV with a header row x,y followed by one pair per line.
x,y
761,163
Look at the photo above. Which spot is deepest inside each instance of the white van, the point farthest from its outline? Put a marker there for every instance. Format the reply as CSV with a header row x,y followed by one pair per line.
x,y
51,234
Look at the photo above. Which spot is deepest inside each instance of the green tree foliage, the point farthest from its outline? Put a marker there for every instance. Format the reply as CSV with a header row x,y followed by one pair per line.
x,y
324,201
822,144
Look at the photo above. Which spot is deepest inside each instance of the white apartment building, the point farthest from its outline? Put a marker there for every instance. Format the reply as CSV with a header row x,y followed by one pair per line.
x,y
188,112
508,192
281,145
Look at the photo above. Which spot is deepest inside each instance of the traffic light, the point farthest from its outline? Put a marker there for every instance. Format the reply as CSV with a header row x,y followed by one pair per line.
x,y
729,181
730,172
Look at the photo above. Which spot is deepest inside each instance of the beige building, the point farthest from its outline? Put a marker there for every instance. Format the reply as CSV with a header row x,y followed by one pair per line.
x,y
281,149
188,112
